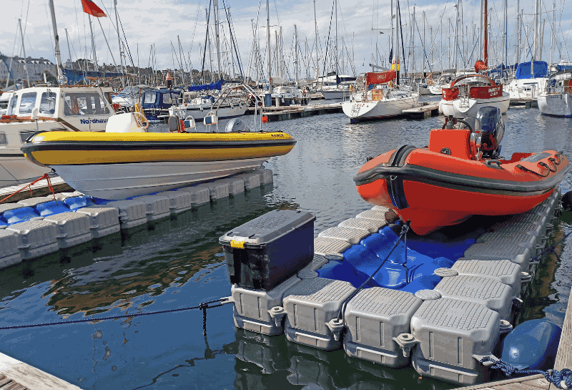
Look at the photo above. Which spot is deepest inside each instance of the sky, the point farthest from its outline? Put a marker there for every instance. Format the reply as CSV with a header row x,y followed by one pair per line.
x,y
362,30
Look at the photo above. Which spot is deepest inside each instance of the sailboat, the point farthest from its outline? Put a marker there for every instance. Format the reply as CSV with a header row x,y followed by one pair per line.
x,y
557,99
469,92
381,98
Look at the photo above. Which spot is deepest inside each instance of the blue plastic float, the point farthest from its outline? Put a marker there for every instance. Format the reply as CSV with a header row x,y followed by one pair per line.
x,y
22,214
407,269
51,208
532,345
79,202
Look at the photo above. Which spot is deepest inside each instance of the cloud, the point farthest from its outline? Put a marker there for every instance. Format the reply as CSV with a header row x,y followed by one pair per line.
x,y
160,22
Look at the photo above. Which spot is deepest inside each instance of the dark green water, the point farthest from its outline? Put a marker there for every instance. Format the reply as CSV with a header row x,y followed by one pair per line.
x,y
177,263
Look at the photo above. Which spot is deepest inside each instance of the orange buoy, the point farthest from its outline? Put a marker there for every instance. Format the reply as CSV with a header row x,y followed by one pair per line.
x,y
264,119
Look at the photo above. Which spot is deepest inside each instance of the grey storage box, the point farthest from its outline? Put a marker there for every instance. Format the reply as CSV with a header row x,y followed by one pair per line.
x,y
453,335
268,250
373,318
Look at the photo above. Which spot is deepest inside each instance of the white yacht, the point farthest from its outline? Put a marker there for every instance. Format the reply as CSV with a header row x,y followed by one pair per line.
x,y
381,102
530,80
557,99
198,106
130,95
37,109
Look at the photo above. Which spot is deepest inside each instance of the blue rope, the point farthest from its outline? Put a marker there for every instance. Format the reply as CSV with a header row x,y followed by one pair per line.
x,y
561,379
203,306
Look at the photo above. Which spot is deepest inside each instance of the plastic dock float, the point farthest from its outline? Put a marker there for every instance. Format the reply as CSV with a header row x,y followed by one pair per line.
x,y
17,375
39,226
441,314
426,110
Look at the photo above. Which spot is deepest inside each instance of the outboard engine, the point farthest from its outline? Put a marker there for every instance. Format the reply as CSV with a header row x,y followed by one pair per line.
x,y
488,133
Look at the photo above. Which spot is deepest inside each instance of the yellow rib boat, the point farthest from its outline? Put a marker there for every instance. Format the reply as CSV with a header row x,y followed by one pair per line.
x,y
121,165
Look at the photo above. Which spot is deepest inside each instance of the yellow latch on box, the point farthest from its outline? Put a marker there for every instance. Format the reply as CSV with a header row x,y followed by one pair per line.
x,y
237,244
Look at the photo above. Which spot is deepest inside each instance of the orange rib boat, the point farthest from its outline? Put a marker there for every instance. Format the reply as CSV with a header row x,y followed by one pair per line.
x,y
458,175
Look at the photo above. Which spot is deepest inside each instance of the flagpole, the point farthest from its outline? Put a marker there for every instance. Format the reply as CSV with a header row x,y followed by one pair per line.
x,y
96,67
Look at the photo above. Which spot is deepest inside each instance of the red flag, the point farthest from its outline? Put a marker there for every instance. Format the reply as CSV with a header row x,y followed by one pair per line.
x,y
89,7
381,77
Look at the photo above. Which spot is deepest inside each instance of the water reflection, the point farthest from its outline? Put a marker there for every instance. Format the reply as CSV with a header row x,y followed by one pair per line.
x,y
273,362
111,272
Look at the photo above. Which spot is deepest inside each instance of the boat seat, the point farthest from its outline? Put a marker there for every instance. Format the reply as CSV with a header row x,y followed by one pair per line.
x,y
453,142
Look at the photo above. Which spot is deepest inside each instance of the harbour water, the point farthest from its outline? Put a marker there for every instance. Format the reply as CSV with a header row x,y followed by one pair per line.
x,y
178,263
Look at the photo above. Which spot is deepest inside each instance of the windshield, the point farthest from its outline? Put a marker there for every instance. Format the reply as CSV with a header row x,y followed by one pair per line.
x,y
48,103
27,103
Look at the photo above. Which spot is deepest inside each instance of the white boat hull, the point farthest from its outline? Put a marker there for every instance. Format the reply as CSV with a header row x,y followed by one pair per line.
x,y
199,113
386,108
333,95
557,104
120,181
436,89
463,108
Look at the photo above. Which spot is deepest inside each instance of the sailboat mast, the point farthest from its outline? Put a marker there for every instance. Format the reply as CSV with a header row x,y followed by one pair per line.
x,y
337,56
24,50
217,38
396,45
57,40
413,44
68,40
119,44
486,38
268,47
552,35
317,54
96,67
518,29
296,51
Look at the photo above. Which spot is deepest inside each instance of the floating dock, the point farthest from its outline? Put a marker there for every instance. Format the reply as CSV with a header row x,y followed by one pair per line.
x,y
38,226
426,110
39,189
16,375
538,382
442,332
275,114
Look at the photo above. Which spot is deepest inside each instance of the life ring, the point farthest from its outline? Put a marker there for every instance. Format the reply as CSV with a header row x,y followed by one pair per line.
x,y
142,122
430,82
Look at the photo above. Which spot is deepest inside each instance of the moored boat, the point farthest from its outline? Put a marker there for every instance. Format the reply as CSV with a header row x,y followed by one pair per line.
x,y
114,165
557,99
381,102
458,175
468,93
68,108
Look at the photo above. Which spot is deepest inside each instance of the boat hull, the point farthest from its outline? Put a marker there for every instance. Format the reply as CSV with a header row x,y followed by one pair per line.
x,y
121,165
555,104
334,94
222,113
433,190
463,108
369,110
120,181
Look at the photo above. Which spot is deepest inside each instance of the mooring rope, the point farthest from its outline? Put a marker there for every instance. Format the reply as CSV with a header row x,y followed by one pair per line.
x,y
402,235
561,379
203,306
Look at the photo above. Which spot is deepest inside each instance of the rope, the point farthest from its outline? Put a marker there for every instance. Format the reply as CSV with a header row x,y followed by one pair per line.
x,y
203,306
44,176
561,379
402,235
